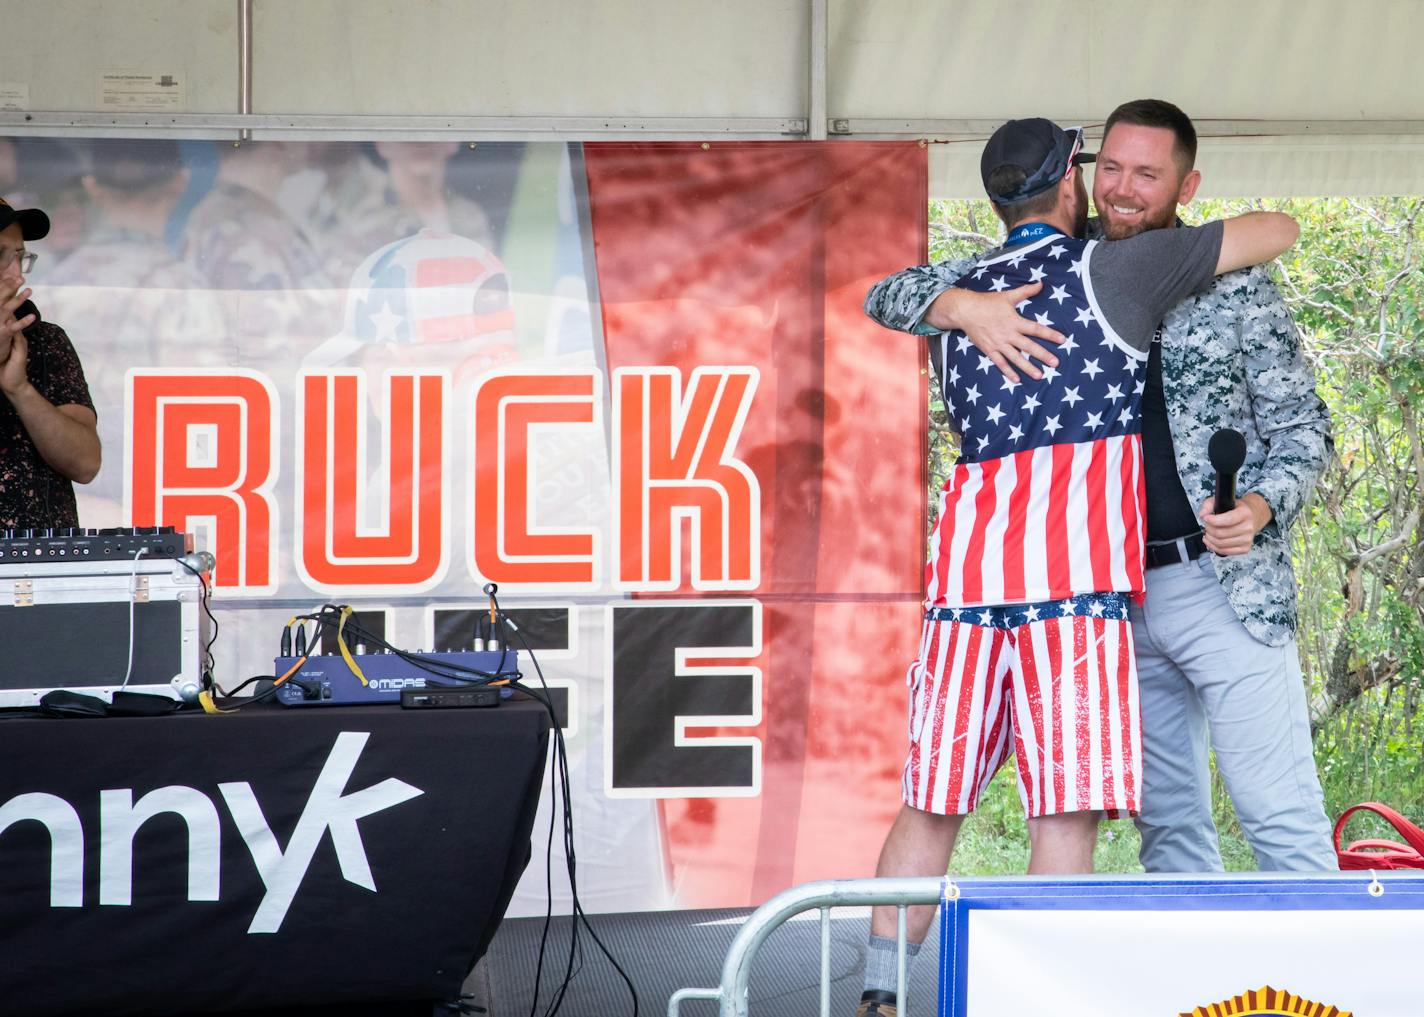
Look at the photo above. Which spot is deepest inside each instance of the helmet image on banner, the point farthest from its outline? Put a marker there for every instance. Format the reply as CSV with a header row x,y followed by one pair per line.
x,y
432,300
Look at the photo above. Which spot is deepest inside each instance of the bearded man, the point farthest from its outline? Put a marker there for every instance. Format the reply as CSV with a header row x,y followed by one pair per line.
x,y
1215,635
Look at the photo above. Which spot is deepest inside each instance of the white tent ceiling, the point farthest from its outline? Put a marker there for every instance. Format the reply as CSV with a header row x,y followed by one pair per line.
x,y
1292,96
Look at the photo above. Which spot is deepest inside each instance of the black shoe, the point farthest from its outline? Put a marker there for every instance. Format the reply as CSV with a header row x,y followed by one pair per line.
x,y
876,1003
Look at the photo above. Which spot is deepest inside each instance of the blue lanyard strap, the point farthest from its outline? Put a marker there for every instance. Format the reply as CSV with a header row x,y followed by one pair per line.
x,y
1025,232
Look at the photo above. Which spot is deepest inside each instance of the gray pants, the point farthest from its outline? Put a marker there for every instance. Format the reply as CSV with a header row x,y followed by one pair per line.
x,y
1198,666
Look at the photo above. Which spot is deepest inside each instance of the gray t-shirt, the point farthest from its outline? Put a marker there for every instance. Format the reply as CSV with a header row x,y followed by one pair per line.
x,y
1138,280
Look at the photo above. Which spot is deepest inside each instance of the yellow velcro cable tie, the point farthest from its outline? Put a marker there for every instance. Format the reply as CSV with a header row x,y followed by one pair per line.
x,y
341,645
209,705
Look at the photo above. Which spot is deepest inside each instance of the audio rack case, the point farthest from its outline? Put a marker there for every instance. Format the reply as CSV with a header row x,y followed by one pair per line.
x,y
64,624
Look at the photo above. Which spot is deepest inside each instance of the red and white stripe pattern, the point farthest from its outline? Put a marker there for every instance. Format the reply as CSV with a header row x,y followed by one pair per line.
x,y
1060,692
1041,524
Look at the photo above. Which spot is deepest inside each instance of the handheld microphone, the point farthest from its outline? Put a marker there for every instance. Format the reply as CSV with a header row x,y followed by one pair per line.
x,y
28,307
1227,451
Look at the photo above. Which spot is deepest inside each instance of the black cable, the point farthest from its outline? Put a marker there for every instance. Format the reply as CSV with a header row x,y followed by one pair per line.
x,y
440,668
559,776
209,661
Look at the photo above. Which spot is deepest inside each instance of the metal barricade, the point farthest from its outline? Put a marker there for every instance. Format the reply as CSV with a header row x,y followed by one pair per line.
x,y
731,995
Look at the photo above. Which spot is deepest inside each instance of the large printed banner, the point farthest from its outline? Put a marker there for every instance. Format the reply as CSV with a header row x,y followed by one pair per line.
x,y
1269,946
630,384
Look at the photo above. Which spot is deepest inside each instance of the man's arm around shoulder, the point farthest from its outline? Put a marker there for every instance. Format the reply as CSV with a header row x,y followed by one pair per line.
x,y
901,300
924,301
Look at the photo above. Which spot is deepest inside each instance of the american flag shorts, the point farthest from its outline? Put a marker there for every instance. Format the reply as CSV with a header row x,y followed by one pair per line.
x,y
1055,683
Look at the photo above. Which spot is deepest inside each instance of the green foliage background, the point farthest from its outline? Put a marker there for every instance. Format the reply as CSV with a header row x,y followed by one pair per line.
x,y
1355,286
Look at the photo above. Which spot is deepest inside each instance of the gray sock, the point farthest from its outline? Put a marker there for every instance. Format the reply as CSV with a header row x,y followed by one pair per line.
x,y
880,963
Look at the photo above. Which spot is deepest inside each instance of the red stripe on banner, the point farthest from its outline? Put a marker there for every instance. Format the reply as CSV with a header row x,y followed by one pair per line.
x,y
1110,796
1127,711
1032,772
1082,727
1099,539
1053,637
1132,508
983,510
1018,520
759,255
1056,536
992,757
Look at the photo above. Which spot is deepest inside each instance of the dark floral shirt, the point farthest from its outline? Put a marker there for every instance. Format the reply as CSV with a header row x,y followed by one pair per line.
x,y
32,493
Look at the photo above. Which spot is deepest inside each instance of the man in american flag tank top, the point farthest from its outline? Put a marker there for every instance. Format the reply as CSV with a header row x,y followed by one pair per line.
x,y
1026,645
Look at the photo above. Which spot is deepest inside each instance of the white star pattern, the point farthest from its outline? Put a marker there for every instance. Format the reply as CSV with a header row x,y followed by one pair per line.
x,y
1032,613
1084,399
985,618
1067,608
1096,607
1137,389
385,321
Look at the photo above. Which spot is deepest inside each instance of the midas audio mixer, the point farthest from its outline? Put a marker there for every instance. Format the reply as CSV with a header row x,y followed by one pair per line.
x,y
327,680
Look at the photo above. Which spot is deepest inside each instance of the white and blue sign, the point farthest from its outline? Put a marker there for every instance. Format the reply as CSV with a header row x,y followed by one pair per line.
x,y
1326,946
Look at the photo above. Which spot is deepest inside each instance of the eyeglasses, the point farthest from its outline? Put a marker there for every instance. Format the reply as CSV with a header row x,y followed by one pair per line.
x,y
25,258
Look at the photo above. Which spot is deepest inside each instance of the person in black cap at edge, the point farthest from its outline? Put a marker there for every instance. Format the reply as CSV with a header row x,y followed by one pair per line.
x,y
1026,646
49,437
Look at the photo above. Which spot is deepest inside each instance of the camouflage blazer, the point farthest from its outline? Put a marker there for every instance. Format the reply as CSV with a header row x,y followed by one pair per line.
x,y
1231,357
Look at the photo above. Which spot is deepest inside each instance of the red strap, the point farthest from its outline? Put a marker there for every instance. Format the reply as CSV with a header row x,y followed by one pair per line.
x,y
1413,836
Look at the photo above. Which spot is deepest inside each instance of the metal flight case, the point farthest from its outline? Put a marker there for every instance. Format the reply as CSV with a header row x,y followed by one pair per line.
x,y
82,609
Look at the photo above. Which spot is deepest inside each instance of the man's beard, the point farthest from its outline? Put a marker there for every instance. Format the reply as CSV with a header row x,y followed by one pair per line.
x,y
1152,219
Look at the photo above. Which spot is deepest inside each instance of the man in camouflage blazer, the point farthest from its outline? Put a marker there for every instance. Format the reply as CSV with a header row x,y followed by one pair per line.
x,y
1215,636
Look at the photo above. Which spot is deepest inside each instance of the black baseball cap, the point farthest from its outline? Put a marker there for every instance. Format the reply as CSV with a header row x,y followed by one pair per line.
x,y
34,224
1039,148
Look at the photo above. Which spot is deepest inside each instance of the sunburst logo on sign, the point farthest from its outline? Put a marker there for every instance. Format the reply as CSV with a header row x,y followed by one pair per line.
x,y
1267,1002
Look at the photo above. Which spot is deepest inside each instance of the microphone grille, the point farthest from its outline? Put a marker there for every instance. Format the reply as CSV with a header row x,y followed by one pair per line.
x,y
1227,450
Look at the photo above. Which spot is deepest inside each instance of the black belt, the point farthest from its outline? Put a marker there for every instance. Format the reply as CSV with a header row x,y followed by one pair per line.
x,y
1173,552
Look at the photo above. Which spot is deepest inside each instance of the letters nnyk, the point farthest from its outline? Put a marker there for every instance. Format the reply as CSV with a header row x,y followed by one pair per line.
x,y
281,870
